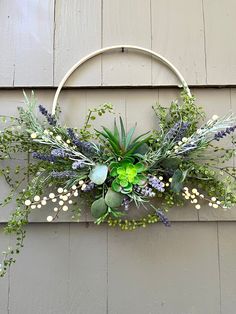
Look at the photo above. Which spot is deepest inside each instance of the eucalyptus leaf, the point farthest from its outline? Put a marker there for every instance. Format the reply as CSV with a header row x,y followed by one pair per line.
x,y
99,208
113,199
98,174
177,180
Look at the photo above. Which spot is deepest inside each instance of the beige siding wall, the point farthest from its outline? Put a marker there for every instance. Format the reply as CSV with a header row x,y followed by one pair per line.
x,y
80,268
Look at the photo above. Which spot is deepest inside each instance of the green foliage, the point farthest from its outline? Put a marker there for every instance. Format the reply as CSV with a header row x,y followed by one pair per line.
x,y
185,111
121,143
85,131
98,174
127,174
113,199
99,208
112,169
177,180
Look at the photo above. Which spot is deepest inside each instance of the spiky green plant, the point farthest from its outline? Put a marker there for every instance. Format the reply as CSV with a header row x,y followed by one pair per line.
x,y
120,142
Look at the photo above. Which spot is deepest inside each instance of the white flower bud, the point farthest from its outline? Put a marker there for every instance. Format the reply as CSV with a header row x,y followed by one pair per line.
x,y
49,218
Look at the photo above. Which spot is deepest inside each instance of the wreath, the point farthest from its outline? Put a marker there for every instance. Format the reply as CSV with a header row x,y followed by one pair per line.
x,y
110,170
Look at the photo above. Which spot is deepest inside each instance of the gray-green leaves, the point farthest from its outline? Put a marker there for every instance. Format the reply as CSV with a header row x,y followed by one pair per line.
x,y
99,208
102,206
98,174
113,199
178,180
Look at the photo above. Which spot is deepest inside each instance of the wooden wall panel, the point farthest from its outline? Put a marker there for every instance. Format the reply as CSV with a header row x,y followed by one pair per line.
x,y
70,268
227,262
184,32
88,269
26,34
126,22
178,34
77,33
63,269
40,277
4,282
171,270
220,17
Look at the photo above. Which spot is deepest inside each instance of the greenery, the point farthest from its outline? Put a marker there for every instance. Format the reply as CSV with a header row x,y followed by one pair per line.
x,y
177,163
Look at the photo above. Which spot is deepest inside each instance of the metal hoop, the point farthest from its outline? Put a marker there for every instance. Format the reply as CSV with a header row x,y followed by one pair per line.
x,y
122,47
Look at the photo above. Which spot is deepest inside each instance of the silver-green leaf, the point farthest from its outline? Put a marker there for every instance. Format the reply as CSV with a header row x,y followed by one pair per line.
x,y
98,174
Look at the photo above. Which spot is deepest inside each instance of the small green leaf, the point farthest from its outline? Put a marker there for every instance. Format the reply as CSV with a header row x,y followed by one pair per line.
x,y
98,174
113,199
142,179
177,180
121,171
124,183
127,189
113,172
116,186
129,136
99,208
116,131
139,167
123,133
171,163
114,164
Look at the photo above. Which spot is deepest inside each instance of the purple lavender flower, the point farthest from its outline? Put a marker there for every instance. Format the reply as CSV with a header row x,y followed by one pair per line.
x,y
51,119
43,157
188,147
73,137
221,134
78,164
145,191
163,218
63,174
86,147
126,202
178,131
89,187
59,152
156,183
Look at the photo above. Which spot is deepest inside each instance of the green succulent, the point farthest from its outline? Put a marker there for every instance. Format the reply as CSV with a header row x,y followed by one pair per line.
x,y
121,142
127,174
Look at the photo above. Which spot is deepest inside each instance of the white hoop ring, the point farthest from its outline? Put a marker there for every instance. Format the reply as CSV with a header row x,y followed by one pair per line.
x,y
122,47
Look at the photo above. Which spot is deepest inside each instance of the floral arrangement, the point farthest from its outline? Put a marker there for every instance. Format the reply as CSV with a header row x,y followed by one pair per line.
x,y
179,162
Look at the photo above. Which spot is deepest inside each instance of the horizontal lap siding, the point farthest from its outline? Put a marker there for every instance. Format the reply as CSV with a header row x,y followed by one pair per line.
x,y
195,35
79,268
82,268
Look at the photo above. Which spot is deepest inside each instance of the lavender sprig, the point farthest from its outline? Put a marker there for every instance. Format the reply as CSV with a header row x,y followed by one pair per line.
x,y
63,174
223,133
51,119
86,147
145,191
43,157
156,183
88,187
78,164
178,131
126,202
163,218
59,152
